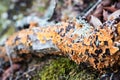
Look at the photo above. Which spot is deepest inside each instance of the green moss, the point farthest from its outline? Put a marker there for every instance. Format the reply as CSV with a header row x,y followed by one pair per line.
x,y
9,32
64,69
41,9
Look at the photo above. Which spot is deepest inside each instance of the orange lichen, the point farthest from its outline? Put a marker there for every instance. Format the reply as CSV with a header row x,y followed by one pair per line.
x,y
77,39
118,28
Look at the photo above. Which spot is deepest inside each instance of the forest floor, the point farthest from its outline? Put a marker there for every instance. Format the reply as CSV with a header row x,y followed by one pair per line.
x,y
50,67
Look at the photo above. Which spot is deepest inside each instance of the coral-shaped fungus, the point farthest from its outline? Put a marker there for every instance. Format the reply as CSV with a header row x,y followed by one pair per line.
x,y
74,38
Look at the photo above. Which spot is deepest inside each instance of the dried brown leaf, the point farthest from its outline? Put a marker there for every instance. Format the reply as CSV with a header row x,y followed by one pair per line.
x,y
118,5
98,11
111,8
9,71
95,21
114,15
105,15
106,2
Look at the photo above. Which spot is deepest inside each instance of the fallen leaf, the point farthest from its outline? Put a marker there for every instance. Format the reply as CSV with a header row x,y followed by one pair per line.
x,y
105,15
118,5
95,21
114,15
98,11
111,8
106,2
9,71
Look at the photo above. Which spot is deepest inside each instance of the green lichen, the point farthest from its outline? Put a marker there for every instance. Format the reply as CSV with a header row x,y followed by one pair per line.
x,y
64,69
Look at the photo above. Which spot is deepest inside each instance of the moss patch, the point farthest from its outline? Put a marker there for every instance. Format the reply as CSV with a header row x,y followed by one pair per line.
x,y
10,31
64,69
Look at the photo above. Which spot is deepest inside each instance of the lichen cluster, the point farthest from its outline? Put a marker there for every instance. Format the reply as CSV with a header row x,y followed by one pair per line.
x,y
75,38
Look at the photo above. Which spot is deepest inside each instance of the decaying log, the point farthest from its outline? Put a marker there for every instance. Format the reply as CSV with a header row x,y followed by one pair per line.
x,y
74,38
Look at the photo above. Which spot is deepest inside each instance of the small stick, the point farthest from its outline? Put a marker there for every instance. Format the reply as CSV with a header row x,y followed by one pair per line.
x,y
11,63
91,9
111,77
27,72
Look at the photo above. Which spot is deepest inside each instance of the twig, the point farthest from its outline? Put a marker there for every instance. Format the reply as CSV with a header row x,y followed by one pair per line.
x,y
29,70
91,9
7,72
10,60
50,11
111,77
